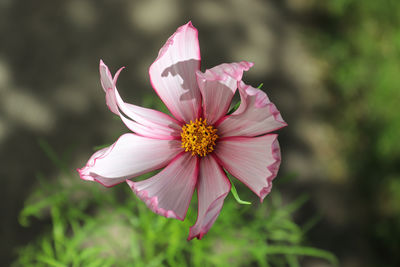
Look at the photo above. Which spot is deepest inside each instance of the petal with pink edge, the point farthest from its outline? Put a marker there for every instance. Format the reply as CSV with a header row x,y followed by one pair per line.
x,y
212,188
253,160
130,156
256,115
143,121
217,86
108,85
169,192
173,74
84,172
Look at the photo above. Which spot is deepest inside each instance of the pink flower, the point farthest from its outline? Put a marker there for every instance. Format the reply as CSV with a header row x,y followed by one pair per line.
x,y
198,143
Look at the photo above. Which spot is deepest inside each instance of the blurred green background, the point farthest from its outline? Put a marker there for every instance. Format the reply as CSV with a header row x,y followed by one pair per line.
x,y
331,67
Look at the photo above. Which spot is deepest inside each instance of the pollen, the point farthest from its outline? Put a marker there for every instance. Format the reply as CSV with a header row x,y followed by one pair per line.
x,y
198,137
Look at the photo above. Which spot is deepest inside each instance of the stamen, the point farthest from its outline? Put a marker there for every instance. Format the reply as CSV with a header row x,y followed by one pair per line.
x,y
198,137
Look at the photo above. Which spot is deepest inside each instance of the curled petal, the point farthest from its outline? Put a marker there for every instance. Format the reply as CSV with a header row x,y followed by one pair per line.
x,y
143,121
218,85
108,85
85,171
169,192
212,188
256,115
173,74
130,156
253,160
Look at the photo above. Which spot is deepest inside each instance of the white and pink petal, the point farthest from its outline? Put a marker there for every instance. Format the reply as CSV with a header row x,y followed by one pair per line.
x,y
130,156
255,116
212,188
108,84
173,74
143,121
218,86
253,160
169,192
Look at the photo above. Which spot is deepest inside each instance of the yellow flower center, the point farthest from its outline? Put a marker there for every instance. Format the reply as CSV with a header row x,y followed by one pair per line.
x,y
199,137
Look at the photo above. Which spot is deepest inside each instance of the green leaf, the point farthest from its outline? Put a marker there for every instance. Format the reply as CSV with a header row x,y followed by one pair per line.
x,y
235,194
234,108
261,84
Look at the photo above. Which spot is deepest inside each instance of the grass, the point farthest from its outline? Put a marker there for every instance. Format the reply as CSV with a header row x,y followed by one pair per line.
x,y
360,41
93,226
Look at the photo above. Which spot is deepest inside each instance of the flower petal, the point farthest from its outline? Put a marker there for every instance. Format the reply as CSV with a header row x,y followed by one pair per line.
x,y
256,115
253,160
147,131
212,188
151,118
130,156
169,192
84,173
217,86
173,74
108,85
143,121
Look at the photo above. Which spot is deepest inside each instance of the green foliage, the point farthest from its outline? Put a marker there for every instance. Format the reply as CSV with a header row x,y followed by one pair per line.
x,y
364,55
360,40
93,226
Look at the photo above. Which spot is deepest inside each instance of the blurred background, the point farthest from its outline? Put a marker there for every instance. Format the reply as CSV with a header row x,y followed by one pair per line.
x,y
331,67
